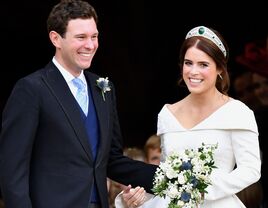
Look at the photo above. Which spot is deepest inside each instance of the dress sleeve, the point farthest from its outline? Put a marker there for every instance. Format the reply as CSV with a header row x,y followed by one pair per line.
x,y
248,164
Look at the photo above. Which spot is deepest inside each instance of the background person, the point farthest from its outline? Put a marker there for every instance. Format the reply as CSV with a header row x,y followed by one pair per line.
x,y
152,150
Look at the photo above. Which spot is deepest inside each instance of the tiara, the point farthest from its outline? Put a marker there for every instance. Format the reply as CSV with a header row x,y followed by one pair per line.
x,y
207,33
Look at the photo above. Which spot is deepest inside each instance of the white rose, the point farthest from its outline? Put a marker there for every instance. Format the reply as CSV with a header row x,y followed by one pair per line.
x,y
172,192
181,179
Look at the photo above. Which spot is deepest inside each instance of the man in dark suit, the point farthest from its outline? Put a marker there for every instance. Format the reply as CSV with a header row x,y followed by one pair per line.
x,y
52,153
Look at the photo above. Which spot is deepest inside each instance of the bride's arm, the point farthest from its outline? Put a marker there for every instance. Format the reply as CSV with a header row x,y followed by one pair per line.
x,y
247,155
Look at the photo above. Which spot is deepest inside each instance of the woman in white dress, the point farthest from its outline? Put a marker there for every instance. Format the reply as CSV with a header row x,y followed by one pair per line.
x,y
208,115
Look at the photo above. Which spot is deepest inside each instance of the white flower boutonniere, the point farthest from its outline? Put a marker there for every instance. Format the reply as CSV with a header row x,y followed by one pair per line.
x,y
103,84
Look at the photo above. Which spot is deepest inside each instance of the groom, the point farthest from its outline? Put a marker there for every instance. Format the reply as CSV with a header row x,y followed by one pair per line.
x,y
53,154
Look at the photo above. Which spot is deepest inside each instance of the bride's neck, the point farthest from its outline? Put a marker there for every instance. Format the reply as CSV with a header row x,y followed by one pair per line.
x,y
213,99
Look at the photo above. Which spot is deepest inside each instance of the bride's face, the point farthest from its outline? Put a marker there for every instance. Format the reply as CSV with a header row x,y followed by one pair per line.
x,y
199,71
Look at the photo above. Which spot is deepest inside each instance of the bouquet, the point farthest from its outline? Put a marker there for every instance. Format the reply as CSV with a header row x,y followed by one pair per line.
x,y
184,176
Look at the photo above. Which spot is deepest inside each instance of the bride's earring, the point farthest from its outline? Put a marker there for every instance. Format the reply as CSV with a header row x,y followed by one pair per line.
x,y
220,76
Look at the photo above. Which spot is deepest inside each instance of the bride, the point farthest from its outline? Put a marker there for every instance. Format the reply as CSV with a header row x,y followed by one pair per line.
x,y
208,115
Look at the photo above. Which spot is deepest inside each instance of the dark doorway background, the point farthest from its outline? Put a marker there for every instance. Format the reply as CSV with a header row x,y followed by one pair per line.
x,y
139,44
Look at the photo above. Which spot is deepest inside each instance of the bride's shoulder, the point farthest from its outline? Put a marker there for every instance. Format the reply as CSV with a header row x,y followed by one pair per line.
x,y
238,105
175,106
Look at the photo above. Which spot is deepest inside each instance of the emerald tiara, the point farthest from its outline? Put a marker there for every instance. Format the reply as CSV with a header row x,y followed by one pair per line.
x,y
207,33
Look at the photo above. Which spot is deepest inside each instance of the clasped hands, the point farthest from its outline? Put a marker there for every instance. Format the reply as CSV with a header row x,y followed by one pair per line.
x,y
133,197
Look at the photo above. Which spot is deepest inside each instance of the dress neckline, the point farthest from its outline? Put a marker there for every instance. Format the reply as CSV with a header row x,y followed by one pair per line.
x,y
202,121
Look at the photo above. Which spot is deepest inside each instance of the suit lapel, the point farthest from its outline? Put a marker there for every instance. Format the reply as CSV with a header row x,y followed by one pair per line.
x,y
62,93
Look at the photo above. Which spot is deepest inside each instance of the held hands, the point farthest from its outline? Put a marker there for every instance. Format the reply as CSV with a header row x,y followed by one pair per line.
x,y
133,197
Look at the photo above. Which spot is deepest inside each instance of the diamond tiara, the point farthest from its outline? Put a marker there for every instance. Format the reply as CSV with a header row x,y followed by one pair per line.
x,y
207,33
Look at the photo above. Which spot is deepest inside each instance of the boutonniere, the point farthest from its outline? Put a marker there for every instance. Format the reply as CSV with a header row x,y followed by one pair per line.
x,y
103,84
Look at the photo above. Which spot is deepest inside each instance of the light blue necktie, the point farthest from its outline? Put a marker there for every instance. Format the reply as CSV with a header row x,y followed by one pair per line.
x,y
81,94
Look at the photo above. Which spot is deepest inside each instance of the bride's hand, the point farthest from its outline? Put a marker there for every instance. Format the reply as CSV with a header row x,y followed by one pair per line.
x,y
133,197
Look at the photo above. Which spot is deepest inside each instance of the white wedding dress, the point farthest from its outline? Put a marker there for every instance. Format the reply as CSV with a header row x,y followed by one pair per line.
x,y
234,128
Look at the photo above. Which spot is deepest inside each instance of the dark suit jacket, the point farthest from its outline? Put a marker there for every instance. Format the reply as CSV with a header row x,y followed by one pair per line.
x,y
45,158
